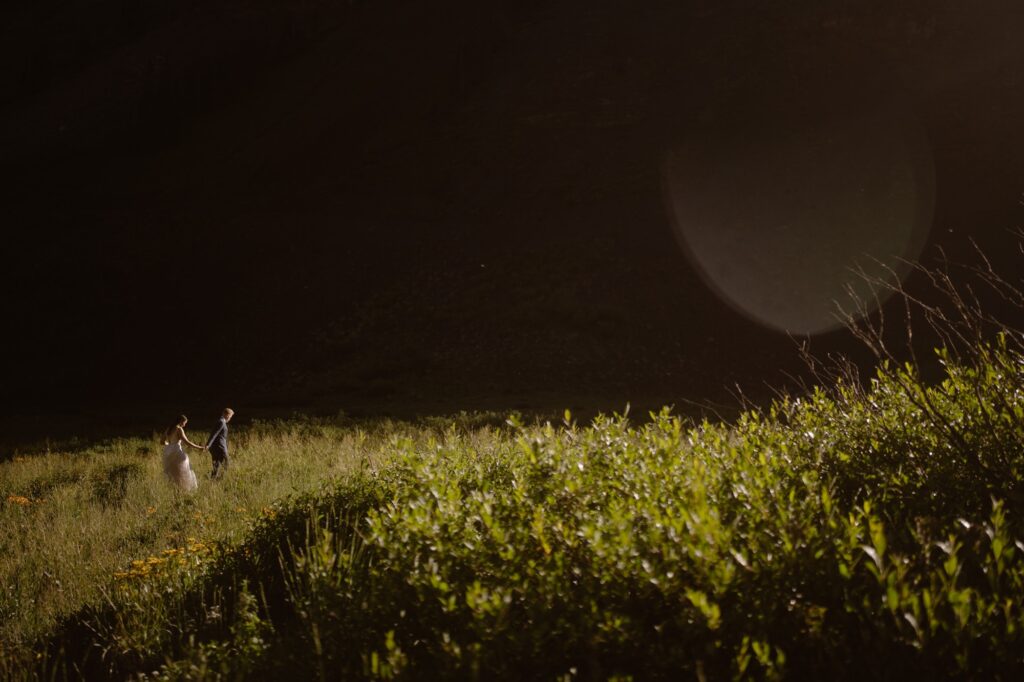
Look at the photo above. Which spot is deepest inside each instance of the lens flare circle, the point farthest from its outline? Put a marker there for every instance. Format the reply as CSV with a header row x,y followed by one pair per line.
x,y
794,216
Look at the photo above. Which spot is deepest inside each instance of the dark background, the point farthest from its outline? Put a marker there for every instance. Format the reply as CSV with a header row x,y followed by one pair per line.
x,y
402,206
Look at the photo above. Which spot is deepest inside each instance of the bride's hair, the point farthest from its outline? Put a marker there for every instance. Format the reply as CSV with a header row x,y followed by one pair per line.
x,y
176,424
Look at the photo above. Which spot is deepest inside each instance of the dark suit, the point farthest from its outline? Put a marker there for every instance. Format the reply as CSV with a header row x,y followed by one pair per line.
x,y
218,446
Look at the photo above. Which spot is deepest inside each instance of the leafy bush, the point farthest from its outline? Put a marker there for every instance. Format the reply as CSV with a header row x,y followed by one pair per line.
x,y
846,535
862,531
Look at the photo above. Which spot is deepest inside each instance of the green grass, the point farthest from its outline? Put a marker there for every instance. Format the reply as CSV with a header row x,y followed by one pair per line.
x,y
853,533
70,520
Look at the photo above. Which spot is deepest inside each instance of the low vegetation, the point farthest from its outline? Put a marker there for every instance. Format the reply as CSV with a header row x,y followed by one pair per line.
x,y
857,532
71,519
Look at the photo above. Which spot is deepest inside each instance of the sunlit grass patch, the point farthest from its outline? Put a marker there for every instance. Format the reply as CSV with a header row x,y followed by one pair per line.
x,y
70,520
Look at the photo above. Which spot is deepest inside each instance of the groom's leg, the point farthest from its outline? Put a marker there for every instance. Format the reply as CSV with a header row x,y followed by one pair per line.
x,y
220,464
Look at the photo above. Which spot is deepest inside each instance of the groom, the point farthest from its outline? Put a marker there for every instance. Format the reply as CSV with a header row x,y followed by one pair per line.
x,y
218,444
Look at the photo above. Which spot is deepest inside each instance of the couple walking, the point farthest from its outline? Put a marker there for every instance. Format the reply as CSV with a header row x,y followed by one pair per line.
x,y
176,464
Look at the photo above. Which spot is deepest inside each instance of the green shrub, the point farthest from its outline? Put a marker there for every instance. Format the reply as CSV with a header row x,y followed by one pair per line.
x,y
842,536
857,532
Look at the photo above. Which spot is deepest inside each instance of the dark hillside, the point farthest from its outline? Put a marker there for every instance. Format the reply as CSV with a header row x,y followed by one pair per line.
x,y
419,206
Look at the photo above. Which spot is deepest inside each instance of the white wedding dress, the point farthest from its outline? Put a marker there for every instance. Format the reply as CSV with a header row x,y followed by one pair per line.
x,y
176,465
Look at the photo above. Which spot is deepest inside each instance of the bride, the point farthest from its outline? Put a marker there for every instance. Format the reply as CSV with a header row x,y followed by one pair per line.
x,y
176,464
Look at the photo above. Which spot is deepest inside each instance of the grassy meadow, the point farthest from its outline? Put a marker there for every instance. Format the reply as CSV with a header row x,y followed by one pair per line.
x,y
73,520
863,530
